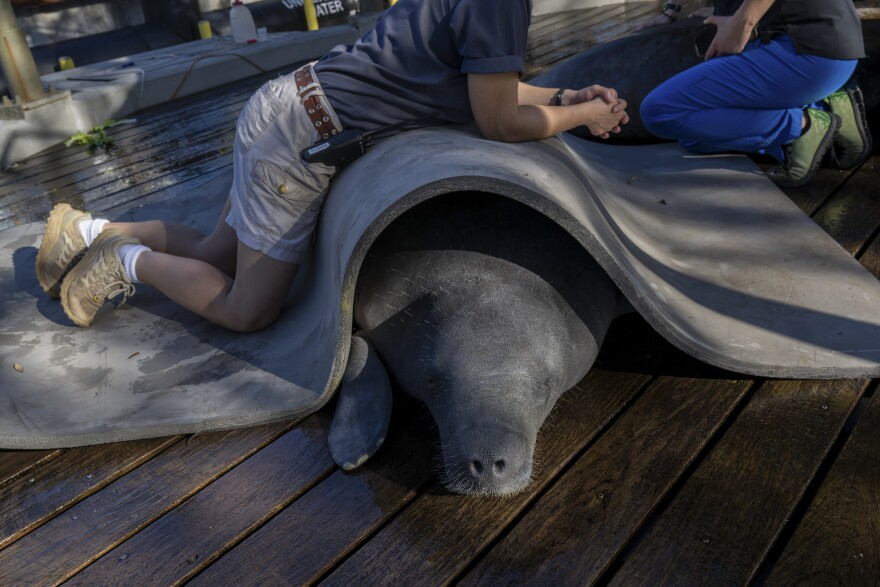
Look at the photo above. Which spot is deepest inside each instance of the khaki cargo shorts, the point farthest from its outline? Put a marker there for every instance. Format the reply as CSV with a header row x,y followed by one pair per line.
x,y
275,196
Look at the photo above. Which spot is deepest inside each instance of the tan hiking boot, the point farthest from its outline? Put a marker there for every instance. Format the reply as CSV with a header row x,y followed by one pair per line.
x,y
62,247
98,278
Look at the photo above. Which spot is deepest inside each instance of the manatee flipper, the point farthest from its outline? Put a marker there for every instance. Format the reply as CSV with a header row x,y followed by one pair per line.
x,y
363,408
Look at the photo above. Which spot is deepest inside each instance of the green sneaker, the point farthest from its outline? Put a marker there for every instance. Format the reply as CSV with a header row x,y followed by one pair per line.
x,y
62,247
98,278
852,142
803,155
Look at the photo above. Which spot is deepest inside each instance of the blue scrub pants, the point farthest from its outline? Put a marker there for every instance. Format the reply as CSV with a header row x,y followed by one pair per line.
x,y
752,102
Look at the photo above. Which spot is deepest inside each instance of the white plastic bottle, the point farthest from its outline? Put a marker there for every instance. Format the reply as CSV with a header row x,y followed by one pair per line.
x,y
243,29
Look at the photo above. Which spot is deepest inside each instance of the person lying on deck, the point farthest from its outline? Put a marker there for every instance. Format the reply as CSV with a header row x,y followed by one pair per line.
x,y
774,81
460,59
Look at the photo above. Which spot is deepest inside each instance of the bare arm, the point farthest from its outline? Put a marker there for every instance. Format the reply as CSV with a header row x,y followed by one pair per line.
x,y
505,114
735,31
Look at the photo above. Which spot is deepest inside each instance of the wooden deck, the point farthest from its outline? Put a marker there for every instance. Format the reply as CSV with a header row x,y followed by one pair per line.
x,y
656,469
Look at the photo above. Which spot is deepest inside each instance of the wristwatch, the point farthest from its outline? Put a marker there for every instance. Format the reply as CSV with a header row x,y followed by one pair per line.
x,y
558,97
676,8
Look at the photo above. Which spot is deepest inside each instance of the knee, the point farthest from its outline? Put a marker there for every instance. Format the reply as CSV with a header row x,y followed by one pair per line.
x,y
659,116
246,320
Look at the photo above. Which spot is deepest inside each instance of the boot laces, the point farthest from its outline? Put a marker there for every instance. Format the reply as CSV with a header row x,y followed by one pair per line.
x,y
121,287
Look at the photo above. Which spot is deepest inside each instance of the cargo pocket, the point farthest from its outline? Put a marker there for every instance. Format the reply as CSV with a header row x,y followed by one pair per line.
x,y
296,206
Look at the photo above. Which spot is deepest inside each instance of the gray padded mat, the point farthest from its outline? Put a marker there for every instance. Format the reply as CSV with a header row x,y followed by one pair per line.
x,y
707,249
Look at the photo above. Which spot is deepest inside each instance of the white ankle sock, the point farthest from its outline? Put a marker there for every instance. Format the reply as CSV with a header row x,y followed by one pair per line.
x,y
90,229
129,255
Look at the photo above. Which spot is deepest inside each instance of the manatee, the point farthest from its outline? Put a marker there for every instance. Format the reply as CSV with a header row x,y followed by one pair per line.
x,y
485,310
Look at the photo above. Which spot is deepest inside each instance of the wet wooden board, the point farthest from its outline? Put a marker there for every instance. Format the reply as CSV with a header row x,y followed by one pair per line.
x,y
175,547
580,525
731,508
263,506
312,534
66,544
16,463
838,541
30,500
852,214
435,538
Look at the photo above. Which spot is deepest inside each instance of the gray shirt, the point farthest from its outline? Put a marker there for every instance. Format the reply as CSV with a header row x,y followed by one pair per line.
x,y
827,28
416,60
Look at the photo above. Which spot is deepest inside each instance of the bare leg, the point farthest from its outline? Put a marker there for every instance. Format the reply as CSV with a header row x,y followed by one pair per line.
x,y
249,302
217,249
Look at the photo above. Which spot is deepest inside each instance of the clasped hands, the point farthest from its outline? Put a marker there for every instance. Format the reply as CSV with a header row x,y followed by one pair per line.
x,y
609,109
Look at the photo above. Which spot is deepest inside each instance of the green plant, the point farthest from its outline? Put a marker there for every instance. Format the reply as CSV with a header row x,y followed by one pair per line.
x,y
96,137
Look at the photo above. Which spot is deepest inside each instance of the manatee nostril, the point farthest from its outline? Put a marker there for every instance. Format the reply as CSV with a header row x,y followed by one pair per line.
x,y
499,466
476,467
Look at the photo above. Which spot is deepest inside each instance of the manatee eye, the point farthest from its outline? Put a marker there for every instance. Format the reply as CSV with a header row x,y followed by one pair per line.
x,y
434,383
542,397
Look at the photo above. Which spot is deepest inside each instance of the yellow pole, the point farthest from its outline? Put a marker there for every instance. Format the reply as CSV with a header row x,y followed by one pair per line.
x,y
392,2
16,61
205,29
311,15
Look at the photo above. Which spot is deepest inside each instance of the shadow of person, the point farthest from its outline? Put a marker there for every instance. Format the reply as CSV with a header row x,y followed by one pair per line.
x,y
23,260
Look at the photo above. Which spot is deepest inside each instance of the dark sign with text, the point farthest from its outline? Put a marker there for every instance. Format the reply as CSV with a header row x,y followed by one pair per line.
x,y
329,12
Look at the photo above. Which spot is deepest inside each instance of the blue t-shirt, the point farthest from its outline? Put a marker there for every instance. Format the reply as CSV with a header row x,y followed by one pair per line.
x,y
416,60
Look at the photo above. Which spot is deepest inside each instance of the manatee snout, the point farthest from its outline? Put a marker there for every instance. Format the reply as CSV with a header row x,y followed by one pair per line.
x,y
487,460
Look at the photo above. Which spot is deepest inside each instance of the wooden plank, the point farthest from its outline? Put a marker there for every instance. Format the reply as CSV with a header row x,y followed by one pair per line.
x,y
720,525
575,42
53,488
838,540
437,538
582,414
157,117
576,31
546,24
119,176
59,548
852,215
59,158
125,159
16,463
870,259
119,193
576,25
578,527
147,127
175,547
310,535
811,197
123,172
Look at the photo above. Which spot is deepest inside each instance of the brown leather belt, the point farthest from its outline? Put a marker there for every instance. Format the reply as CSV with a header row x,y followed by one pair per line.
x,y
312,97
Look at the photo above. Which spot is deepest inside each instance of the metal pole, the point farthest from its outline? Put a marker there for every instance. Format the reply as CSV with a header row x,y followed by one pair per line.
x,y
311,15
16,60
